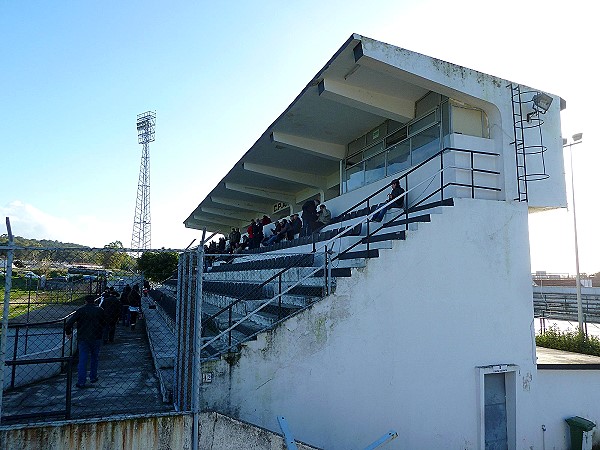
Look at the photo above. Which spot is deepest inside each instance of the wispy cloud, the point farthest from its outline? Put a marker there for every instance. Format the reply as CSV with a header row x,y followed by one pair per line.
x,y
31,222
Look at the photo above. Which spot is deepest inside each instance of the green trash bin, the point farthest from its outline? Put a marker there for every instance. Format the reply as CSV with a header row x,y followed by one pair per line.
x,y
577,425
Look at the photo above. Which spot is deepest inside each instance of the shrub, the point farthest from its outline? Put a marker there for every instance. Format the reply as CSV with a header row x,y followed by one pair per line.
x,y
571,341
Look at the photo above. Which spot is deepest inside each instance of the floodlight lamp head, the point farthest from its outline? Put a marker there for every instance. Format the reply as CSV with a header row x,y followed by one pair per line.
x,y
542,102
577,137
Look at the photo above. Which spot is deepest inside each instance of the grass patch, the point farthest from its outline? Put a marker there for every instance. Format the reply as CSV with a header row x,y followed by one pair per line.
x,y
570,341
22,301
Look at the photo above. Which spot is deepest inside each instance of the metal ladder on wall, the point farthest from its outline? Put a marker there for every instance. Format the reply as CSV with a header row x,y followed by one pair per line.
x,y
525,126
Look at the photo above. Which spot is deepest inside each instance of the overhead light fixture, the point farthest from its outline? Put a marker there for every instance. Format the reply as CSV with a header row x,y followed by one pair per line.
x,y
577,136
542,102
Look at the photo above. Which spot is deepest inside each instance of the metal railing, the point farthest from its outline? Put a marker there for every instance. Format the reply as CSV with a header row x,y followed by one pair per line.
x,y
327,245
563,306
439,155
16,360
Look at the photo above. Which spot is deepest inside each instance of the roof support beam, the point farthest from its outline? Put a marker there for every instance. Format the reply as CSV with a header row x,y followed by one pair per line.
x,y
328,150
264,193
255,207
373,102
200,224
231,213
217,220
304,178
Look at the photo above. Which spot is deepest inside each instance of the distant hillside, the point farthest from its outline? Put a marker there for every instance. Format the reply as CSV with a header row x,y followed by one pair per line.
x,y
47,243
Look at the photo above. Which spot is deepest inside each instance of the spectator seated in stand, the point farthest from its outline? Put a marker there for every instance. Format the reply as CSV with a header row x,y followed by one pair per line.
x,y
296,224
397,192
274,231
277,237
323,218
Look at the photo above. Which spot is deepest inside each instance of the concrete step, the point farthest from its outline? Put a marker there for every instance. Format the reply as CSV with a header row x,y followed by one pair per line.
x,y
248,290
336,272
423,218
262,262
359,254
350,263
385,237
292,275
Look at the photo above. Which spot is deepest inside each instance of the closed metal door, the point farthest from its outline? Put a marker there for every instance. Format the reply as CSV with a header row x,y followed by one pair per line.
x,y
496,436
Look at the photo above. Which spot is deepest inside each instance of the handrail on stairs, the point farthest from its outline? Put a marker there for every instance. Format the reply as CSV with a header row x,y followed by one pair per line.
x,y
326,246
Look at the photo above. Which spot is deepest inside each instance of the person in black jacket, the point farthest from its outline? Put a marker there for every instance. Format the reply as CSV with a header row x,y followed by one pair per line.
x,y
90,320
397,192
125,305
309,216
112,308
135,303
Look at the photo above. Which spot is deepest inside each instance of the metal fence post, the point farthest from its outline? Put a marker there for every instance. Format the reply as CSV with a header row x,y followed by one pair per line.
x,y
326,269
7,287
197,362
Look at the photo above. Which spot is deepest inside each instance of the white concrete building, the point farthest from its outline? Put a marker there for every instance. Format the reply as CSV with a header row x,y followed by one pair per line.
x,y
434,337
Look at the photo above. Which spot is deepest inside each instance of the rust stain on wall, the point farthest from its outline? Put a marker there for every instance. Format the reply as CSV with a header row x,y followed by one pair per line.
x,y
162,432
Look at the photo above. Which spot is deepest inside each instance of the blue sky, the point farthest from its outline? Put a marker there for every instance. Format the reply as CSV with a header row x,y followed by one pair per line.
x,y
74,75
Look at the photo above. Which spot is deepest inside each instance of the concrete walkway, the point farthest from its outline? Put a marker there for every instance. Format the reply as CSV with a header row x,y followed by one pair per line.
x,y
548,356
127,385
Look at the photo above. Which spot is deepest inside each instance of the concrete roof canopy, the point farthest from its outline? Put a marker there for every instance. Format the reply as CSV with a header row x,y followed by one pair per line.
x,y
298,157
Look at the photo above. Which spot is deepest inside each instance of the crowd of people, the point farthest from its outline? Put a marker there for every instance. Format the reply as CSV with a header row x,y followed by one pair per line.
x,y
315,216
96,325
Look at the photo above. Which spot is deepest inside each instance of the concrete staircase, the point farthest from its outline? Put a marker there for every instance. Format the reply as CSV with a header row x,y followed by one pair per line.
x,y
252,293
248,294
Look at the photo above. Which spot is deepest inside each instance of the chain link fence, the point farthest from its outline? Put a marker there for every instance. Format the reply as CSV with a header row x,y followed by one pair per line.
x,y
85,334
65,306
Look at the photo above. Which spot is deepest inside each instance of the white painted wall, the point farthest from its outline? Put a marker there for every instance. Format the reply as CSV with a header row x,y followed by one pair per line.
x,y
492,95
563,394
399,344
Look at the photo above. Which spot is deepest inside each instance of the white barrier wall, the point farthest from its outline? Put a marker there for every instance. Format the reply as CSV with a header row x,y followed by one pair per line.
x,y
401,344
563,394
40,338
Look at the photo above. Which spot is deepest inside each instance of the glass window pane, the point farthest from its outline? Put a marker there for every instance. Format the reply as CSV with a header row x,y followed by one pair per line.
x,y
350,161
427,103
425,144
373,150
393,126
445,118
357,145
398,136
355,177
398,158
429,119
375,168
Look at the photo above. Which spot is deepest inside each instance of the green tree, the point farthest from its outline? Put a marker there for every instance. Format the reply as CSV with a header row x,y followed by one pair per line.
x,y
117,259
158,266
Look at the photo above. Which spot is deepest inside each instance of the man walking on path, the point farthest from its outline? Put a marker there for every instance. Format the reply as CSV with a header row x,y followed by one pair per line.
x,y
112,308
90,320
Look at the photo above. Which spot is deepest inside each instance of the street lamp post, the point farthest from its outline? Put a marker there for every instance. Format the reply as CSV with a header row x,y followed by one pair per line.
x,y
576,140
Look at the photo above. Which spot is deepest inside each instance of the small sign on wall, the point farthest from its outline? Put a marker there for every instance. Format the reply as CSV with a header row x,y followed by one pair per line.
x,y
279,206
207,377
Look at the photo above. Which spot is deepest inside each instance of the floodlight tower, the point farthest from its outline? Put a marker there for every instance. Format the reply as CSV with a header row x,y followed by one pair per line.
x,y
140,238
